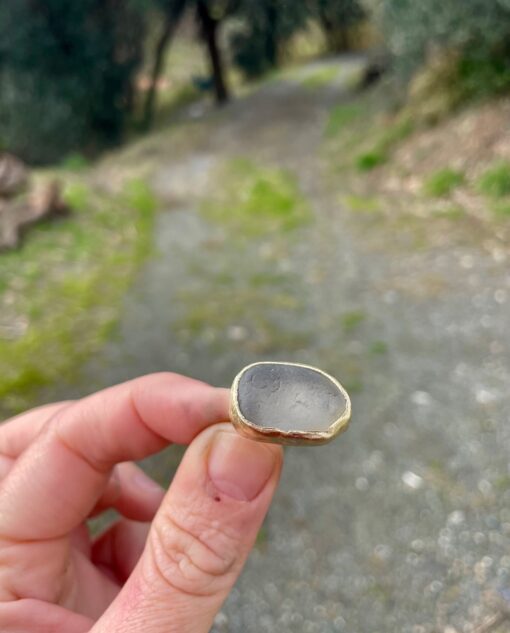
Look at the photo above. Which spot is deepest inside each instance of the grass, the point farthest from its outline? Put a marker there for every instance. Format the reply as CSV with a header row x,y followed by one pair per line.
x,y
257,200
341,116
370,160
384,144
495,181
60,293
442,182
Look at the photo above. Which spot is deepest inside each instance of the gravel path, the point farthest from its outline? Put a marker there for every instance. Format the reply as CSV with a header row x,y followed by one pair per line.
x,y
402,525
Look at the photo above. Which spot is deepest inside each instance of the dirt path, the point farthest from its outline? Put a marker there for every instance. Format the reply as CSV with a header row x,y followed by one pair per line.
x,y
403,525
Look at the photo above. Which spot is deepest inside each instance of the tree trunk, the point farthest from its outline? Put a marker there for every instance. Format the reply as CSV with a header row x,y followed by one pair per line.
x,y
209,32
172,20
271,45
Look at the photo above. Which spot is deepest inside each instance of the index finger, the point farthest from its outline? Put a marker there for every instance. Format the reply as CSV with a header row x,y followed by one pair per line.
x,y
59,478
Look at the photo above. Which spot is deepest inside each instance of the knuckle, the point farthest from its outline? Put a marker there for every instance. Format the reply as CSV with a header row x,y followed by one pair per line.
x,y
192,557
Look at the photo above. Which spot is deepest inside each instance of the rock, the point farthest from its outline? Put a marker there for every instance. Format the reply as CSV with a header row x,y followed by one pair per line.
x,y
18,214
13,175
288,404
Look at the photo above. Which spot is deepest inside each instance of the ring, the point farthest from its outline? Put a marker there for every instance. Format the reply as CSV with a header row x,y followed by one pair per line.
x,y
288,403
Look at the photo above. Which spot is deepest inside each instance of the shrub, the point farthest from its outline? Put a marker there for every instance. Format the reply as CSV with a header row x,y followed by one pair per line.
x,y
478,31
336,18
67,73
262,29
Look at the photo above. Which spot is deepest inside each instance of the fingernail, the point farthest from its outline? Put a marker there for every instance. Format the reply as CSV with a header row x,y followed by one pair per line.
x,y
239,468
146,483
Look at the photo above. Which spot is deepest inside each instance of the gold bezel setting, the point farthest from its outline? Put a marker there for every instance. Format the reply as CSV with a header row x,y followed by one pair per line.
x,y
291,437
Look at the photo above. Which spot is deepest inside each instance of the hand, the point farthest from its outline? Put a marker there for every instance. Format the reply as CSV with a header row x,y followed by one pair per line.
x,y
63,463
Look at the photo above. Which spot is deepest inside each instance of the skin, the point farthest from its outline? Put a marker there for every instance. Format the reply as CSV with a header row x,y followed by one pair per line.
x,y
170,561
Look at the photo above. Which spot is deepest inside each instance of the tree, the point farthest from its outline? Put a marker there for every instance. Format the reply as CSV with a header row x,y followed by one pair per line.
x,y
263,28
336,18
67,73
478,30
209,17
172,12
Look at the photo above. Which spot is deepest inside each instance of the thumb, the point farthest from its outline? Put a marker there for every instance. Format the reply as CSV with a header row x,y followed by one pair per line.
x,y
200,538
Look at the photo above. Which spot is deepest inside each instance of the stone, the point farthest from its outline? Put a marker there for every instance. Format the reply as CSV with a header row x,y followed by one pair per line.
x,y
13,175
17,215
289,404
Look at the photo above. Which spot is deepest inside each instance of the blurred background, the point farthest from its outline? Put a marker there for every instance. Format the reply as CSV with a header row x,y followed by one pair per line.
x,y
194,185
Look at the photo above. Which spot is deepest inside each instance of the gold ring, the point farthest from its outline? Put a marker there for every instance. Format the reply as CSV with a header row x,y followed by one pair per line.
x,y
288,403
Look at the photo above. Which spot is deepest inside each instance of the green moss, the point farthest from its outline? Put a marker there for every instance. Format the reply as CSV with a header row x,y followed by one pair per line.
x,y
495,181
442,182
352,320
340,116
60,293
254,200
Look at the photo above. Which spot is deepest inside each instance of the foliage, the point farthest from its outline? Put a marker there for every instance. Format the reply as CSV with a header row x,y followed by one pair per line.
x,y
443,182
60,293
480,76
495,181
262,29
337,17
67,73
478,29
